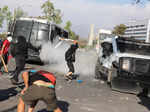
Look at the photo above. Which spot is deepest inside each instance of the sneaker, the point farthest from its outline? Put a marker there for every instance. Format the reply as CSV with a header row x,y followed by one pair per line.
x,y
68,77
142,95
14,81
69,81
10,75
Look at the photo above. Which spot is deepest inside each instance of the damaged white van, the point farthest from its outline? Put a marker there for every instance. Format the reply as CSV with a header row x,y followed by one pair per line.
x,y
37,33
124,64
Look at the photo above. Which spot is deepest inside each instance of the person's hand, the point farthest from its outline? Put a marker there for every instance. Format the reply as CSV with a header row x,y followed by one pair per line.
x,y
75,42
61,38
22,92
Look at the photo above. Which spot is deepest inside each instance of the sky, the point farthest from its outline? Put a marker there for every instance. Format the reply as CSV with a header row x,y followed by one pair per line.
x,y
104,14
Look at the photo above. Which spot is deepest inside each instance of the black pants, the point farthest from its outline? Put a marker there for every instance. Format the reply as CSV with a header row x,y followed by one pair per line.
x,y
70,66
5,57
20,63
145,91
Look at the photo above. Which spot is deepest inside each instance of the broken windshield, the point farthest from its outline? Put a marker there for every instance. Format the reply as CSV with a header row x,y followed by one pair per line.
x,y
132,46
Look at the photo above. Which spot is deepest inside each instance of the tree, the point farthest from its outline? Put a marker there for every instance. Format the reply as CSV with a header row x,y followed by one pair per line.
x,y
57,17
68,26
119,29
50,13
1,18
138,1
5,14
71,33
18,12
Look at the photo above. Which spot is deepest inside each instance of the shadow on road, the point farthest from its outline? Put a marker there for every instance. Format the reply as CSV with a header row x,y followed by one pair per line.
x,y
145,101
34,62
63,105
12,109
6,93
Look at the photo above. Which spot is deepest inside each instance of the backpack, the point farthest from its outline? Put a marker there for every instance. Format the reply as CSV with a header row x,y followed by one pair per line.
x,y
49,76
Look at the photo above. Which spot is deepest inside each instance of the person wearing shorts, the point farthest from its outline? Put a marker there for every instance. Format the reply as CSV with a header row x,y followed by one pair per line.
x,y
39,85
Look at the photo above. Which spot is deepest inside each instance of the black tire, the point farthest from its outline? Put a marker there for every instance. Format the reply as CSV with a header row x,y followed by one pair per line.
x,y
98,74
114,74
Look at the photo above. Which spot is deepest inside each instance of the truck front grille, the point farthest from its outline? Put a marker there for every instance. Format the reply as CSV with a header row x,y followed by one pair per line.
x,y
141,67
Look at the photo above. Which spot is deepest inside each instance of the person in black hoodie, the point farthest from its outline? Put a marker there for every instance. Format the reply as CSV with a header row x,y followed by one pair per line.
x,y
70,59
20,53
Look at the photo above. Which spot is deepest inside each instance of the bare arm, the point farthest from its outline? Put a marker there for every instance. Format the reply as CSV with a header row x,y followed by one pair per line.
x,y
25,78
61,38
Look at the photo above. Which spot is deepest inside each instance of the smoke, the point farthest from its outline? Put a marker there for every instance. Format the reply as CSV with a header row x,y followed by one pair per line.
x,y
55,57
85,62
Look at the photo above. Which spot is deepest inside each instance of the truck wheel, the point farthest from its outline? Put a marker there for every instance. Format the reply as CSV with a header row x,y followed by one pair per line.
x,y
98,74
113,75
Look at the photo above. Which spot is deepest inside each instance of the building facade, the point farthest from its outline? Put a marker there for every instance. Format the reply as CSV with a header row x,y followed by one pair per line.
x,y
138,30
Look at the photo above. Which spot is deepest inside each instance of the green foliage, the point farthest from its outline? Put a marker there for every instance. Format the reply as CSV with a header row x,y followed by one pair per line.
x,y
72,34
19,13
1,18
7,15
119,29
68,26
50,13
54,15
57,17
3,36
139,1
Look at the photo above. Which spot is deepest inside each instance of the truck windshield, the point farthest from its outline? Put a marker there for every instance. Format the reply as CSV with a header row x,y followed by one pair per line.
x,y
125,45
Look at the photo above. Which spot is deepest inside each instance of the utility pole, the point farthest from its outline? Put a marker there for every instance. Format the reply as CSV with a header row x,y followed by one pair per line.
x,y
148,32
91,35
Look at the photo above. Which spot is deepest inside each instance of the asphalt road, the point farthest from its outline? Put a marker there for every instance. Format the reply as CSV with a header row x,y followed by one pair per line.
x,y
88,96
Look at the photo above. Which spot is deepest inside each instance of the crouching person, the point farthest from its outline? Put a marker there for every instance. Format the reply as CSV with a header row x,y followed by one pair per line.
x,y
39,85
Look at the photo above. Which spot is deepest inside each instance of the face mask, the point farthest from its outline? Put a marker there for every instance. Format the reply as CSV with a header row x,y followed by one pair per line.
x,y
9,38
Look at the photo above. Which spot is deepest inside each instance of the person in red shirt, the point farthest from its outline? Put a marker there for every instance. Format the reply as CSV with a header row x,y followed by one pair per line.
x,y
5,48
